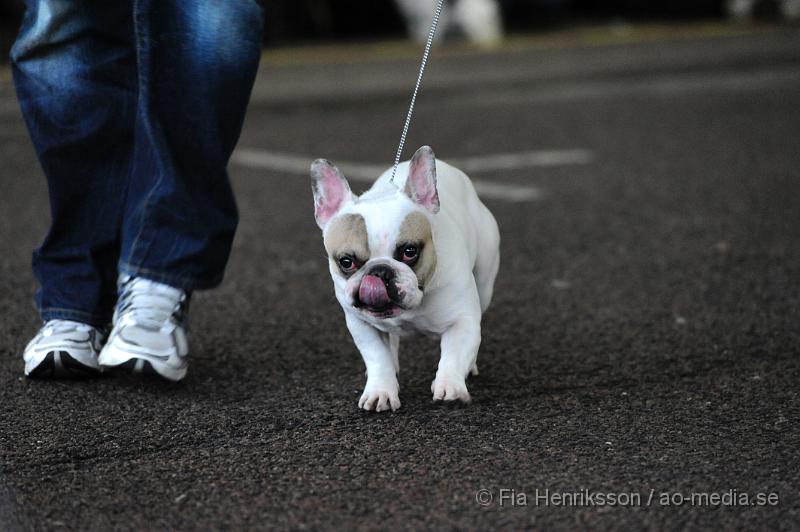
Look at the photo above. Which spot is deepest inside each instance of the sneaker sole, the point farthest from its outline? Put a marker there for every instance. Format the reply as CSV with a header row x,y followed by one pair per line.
x,y
138,366
60,365
118,360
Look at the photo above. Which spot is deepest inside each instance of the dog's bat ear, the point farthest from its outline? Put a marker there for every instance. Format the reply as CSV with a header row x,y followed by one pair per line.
x,y
421,181
331,190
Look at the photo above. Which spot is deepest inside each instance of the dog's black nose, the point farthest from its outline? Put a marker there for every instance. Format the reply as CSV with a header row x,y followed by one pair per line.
x,y
383,272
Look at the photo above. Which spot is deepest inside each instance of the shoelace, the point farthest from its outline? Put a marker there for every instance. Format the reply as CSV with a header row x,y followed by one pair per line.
x,y
149,304
64,327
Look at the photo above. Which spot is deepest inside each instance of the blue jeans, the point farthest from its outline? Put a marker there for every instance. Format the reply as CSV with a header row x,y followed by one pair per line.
x,y
134,108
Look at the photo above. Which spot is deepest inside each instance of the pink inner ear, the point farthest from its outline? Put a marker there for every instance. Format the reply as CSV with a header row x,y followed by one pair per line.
x,y
421,182
330,190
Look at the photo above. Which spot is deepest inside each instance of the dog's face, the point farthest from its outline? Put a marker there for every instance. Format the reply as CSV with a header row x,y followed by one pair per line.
x,y
380,249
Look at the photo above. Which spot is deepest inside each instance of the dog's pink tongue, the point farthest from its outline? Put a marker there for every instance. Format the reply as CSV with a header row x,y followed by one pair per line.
x,y
372,292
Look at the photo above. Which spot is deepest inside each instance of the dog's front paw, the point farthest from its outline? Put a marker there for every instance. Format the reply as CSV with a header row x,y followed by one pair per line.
x,y
450,388
379,398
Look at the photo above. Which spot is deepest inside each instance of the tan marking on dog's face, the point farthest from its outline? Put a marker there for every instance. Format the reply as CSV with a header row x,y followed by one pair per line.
x,y
347,235
416,230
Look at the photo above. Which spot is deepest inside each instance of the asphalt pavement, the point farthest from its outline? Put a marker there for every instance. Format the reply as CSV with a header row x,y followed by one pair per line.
x,y
642,344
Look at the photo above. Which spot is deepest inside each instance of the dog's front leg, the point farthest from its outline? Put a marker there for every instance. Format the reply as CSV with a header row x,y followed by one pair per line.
x,y
459,345
382,390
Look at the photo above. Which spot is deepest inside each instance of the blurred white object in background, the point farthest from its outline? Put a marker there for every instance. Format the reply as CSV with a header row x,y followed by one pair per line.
x,y
745,9
790,10
740,9
480,21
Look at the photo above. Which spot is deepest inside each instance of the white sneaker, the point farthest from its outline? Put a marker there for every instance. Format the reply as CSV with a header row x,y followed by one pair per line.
x,y
63,349
149,333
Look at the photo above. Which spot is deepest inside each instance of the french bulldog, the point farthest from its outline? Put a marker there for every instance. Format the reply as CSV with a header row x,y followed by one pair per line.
x,y
417,255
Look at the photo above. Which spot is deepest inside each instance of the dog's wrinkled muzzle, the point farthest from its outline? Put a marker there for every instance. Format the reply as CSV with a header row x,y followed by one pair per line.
x,y
372,292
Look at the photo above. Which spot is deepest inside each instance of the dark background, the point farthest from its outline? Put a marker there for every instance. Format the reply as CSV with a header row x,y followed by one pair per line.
x,y
293,22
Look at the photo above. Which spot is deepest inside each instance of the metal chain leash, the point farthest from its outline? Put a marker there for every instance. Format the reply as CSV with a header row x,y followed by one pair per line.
x,y
431,33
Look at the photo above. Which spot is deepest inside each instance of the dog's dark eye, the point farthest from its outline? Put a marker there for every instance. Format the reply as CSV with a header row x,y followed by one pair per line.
x,y
410,253
347,264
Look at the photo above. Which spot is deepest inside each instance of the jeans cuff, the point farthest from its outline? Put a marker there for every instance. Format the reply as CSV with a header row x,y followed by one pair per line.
x,y
55,313
184,282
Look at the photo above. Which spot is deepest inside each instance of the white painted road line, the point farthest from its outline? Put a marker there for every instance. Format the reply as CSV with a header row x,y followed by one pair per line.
x,y
527,159
506,191
296,164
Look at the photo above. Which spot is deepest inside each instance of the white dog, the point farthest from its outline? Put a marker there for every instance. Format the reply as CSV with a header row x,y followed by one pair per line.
x,y
418,255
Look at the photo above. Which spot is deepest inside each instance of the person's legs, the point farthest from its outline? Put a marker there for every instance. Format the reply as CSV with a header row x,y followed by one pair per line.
x,y
197,61
74,69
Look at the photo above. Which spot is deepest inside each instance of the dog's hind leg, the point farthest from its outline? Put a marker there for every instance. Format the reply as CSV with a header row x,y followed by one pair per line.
x,y
487,263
